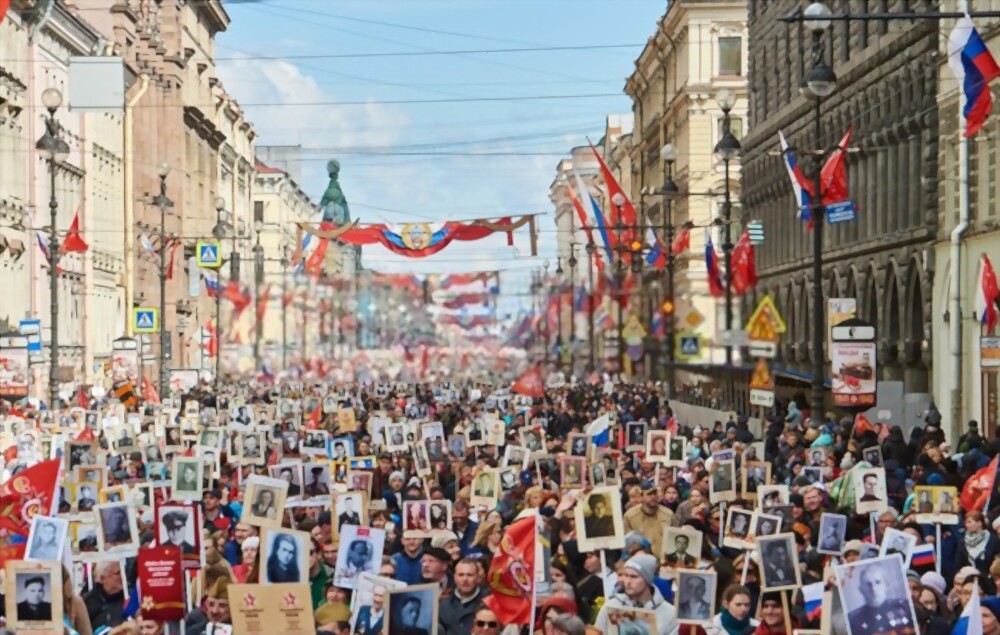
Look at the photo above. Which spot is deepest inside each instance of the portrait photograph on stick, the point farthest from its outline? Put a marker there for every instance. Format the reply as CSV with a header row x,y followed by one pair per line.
x,y
33,596
681,547
284,556
413,610
118,534
47,538
599,520
360,552
264,501
695,598
876,597
780,562
179,525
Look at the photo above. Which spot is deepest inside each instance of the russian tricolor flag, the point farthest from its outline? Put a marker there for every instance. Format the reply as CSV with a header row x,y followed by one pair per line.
x,y
986,294
801,186
712,266
971,621
599,431
657,256
974,68
211,285
812,597
922,556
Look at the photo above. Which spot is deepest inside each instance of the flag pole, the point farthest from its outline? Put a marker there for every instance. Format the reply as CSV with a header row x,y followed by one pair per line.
x,y
955,283
534,584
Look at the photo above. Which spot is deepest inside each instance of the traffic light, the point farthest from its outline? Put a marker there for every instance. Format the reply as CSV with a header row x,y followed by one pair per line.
x,y
636,246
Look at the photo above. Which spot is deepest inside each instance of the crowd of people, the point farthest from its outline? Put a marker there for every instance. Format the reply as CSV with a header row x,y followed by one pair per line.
x,y
395,505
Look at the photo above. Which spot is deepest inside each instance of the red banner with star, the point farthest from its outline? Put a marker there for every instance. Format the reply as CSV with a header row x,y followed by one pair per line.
x,y
512,573
29,493
161,583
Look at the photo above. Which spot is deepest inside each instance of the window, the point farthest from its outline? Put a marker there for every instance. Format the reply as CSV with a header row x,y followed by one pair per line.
x,y
731,56
258,211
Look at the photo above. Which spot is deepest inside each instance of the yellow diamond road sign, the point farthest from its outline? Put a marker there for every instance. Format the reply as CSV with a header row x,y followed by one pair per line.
x,y
694,318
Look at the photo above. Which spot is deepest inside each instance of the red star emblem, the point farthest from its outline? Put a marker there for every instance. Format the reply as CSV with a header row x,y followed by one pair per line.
x,y
250,600
290,599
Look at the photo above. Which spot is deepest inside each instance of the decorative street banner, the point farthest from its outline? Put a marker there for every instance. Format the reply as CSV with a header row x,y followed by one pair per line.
x,y
15,374
161,583
416,240
257,609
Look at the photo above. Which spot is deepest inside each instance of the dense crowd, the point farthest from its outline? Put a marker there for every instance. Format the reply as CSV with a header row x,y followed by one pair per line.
x,y
398,506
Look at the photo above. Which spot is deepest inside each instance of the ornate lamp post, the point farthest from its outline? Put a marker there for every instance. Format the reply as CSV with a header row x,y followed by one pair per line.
x,y
223,224
164,203
258,279
54,150
558,288
727,149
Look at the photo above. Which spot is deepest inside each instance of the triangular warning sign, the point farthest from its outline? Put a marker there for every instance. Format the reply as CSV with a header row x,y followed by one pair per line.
x,y
761,378
765,324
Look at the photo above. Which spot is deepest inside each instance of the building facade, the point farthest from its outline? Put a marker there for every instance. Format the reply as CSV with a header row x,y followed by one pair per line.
x,y
38,42
700,48
887,92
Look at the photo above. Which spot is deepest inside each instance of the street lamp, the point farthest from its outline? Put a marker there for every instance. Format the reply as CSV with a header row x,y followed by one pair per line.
x,y
591,248
558,286
285,262
222,226
164,203
818,83
727,149
572,262
53,149
545,309
670,191
258,264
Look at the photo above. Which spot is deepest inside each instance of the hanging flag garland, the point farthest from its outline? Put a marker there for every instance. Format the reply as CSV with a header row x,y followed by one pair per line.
x,y
419,240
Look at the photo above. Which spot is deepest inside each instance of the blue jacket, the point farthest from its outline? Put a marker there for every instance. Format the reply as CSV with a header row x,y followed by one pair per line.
x,y
407,568
465,542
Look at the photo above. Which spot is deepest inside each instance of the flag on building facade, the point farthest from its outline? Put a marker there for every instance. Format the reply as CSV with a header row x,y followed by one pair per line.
x,y
682,242
802,187
986,294
74,243
974,68
744,267
712,266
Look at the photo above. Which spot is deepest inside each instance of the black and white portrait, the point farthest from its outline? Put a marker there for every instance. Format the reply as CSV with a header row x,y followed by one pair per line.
x,y
531,439
508,478
599,515
899,542
86,496
123,438
578,444
187,478
814,474
178,526
765,524
290,473
395,438
212,438
368,603
251,447
681,547
33,595
118,530
241,417
738,528
47,538
779,569
869,490
264,501
635,433
817,457
832,530
572,471
755,474
456,446
771,495
695,597
349,509
722,485
439,514
677,451
317,485
632,621
80,454
484,487
434,447
876,597
413,610
360,552
285,556
515,456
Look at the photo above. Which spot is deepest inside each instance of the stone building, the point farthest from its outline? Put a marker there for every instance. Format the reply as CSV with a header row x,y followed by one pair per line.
x,y
887,91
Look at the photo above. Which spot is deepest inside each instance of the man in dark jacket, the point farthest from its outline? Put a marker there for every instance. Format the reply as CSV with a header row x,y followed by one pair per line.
x,y
459,609
105,602
464,528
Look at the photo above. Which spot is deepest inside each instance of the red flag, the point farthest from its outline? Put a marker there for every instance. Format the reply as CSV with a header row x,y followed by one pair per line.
x,y
212,346
81,398
833,176
238,296
512,573
682,242
4,5
265,297
173,258
314,263
977,490
30,493
672,424
743,266
862,425
530,383
86,435
627,210
986,294
313,422
74,243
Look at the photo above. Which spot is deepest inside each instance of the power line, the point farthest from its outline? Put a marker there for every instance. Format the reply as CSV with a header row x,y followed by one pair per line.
x,y
390,102
534,49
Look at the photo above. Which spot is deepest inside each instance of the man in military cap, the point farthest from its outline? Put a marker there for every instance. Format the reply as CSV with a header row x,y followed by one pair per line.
x,y
317,487
175,523
879,613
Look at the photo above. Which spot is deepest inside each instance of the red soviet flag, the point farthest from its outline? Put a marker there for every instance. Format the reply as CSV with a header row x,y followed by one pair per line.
x,y
977,490
512,573
530,383
30,493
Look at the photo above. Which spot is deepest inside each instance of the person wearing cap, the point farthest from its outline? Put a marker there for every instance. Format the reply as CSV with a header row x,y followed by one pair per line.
x,y
772,616
174,523
638,591
434,569
215,515
649,517
458,610
332,618
216,608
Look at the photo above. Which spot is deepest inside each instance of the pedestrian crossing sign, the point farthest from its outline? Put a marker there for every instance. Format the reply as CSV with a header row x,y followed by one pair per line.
x,y
207,254
688,345
145,320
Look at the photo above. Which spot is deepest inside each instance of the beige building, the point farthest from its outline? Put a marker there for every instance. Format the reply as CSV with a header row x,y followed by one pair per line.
x,y
35,55
698,49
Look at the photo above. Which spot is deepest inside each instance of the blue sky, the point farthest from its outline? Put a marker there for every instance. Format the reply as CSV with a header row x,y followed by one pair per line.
x,y
272,56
